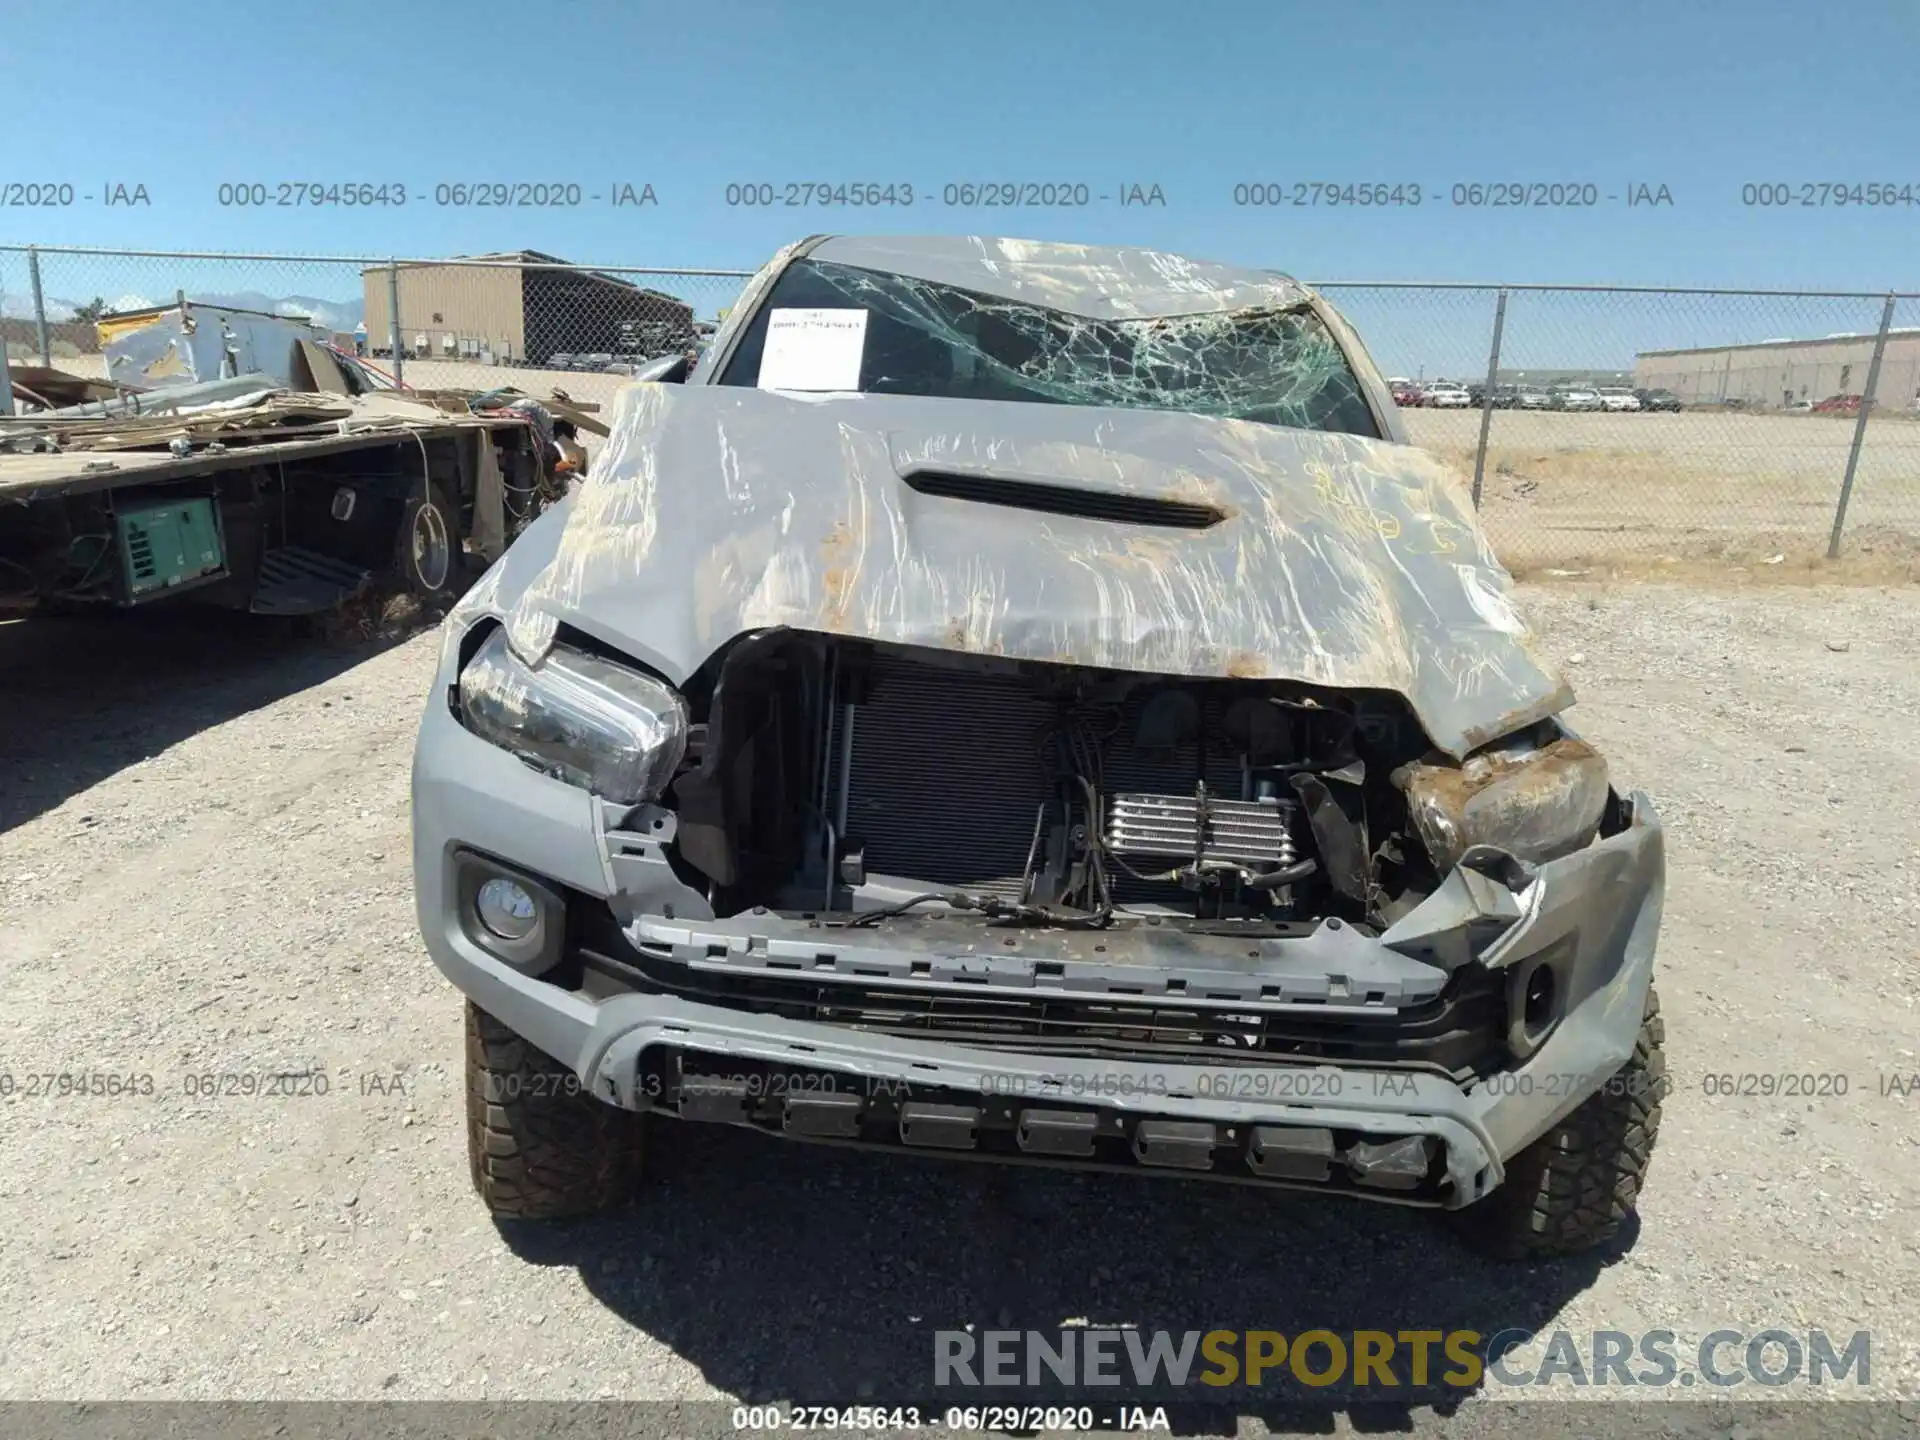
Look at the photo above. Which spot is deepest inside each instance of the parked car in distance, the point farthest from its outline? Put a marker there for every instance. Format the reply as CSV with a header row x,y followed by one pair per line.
x,y
1406,394
1840,405
1447,396
1618,397
1800,407
560,360
1579,397
1531,397
1656,399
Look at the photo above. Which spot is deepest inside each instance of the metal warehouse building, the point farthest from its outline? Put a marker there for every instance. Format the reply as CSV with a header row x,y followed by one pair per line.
x,y
1777,373
515,310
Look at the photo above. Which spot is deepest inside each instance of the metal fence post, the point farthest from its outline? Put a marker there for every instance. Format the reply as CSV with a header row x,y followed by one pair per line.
x,y
39,307
1860,427
6,379
1486,396
393,315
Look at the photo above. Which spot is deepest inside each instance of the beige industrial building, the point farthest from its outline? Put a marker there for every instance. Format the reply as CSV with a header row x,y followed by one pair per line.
x,y
516,309
1774,374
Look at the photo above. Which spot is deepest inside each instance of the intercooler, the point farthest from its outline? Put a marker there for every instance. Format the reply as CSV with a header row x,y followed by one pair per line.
x,y
949,768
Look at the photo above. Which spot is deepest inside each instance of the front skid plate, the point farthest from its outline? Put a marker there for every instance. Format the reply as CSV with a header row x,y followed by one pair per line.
x,y
821,1106
636,1036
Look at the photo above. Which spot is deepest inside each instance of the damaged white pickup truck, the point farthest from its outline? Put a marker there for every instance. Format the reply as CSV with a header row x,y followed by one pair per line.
x,y
1029,702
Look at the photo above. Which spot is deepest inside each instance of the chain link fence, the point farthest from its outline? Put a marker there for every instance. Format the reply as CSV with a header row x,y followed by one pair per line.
x,y
524,320
1663,427
1603,427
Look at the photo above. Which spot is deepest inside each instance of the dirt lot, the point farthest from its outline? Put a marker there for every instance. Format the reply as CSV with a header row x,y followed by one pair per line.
x,y
204,871
1653,490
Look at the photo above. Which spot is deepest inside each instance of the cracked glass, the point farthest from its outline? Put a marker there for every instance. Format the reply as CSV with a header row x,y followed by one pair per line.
x,y
1276,366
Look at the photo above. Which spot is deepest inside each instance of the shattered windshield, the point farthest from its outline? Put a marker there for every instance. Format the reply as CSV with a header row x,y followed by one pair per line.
x,y
1275,366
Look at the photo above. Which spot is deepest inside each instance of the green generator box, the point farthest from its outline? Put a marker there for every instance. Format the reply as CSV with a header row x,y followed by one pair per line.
x,y
167,544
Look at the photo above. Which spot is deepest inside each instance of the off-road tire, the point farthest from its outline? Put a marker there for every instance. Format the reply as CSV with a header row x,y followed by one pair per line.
x,y
1571,1189
540,1147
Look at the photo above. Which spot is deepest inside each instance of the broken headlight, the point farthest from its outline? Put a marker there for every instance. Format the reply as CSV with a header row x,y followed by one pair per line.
x,y
580,718
1537,801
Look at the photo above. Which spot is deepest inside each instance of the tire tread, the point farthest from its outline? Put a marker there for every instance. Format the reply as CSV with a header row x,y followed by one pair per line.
x,y
1574,1187
537,1149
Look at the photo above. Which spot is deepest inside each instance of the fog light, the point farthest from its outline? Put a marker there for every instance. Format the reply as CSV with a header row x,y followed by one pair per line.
x,y
506,908
1538,1009
1536,996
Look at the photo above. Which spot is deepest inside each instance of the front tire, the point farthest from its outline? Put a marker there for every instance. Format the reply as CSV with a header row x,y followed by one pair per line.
x,y
539,1146
1573,1187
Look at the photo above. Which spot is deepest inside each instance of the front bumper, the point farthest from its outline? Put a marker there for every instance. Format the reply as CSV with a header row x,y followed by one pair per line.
x,y
1387,1132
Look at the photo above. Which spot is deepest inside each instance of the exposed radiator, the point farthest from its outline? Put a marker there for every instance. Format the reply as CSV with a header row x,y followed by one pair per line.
x,y
948,772
946,775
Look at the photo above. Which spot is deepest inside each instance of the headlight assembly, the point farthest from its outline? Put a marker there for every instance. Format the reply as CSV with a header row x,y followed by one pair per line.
x,y
1535,801
579,718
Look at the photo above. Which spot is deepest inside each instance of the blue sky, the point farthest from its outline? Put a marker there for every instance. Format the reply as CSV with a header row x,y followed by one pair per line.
x,y
1195,98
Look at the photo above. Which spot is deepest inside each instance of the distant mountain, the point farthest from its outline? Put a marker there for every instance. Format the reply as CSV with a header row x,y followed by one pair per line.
x,y
20,307
327,314
339,315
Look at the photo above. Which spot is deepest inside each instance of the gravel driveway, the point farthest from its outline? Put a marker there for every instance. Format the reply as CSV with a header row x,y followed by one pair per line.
x,y
204,871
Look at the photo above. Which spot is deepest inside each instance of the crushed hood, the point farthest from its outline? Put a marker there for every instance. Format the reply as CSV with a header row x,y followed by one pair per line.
x,y
1336,560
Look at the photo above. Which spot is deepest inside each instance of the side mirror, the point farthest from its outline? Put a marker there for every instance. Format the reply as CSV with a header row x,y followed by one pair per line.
x,y
667,370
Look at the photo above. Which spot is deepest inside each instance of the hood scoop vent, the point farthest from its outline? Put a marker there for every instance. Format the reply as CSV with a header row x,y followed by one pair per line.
x,y
1120,508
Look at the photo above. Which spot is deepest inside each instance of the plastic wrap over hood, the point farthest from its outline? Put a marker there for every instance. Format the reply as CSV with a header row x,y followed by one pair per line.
x,y
1203,546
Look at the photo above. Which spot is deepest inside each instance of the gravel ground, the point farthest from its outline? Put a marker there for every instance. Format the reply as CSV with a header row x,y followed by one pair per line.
x,y
204,870
1575,489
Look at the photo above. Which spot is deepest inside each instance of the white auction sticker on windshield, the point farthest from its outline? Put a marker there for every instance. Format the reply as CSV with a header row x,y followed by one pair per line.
x,y
813,350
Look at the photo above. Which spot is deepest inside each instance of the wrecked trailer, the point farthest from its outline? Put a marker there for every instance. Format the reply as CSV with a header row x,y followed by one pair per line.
x,y
1029,702
191,341
244,493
